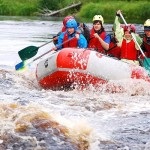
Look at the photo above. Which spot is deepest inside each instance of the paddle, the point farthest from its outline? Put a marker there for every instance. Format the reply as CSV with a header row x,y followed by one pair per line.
x,y
30,51
23,64
146,62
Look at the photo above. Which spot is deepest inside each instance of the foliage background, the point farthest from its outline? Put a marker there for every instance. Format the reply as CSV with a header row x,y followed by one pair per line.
x,y
133,10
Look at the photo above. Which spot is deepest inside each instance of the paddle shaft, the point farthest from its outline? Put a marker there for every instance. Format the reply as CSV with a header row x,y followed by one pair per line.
x,y
30,51
50,50
45,44
22,64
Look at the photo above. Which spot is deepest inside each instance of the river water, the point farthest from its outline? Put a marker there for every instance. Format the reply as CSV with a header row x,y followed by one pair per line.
x,y
36,119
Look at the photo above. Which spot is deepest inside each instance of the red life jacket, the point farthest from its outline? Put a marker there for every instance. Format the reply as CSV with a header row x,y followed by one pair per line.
x,y
114,50
146,46
128,50
72,43
94,42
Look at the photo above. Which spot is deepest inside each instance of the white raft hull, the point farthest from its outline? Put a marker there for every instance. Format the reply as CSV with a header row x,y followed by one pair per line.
x,y
83,67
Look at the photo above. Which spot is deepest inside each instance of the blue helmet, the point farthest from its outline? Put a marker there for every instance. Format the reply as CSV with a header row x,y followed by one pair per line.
x,y
71,23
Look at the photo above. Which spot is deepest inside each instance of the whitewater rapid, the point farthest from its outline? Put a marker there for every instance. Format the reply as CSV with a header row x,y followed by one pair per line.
x,y
36,119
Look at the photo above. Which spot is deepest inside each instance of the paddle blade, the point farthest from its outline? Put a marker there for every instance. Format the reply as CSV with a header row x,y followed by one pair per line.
x,y
28,52
20,66
146,64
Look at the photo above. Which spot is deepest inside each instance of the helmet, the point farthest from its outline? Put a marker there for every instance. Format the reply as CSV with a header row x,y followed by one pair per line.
x,y
71,23
98,17
66,19
147,25
129,27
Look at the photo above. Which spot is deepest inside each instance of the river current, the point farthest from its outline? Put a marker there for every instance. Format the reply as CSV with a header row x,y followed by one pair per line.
x,y
36,119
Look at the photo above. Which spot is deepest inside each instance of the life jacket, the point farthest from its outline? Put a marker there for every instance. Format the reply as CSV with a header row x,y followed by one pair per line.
x,y
72,43
94,42
83,29
114,50
146,46
128,50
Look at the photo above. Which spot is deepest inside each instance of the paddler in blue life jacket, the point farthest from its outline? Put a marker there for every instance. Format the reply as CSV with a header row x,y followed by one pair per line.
x,y
81,26
71,37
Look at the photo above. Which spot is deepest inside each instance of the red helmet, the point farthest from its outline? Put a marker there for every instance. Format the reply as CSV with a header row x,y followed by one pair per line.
x,y
66,19
129,27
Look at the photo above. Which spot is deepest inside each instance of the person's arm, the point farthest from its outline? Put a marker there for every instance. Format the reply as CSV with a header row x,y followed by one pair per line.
x,y
82,42
107,40
103,43
55,38
60,41
58,46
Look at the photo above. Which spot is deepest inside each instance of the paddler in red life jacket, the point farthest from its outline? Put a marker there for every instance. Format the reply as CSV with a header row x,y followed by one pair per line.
x,y
71,37
98,37
146,39
129,49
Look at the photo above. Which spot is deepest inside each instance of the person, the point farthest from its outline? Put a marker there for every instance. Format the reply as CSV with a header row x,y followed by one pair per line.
x,y
146,39
82,27
99,40
71,38
124,35
129,50
55,38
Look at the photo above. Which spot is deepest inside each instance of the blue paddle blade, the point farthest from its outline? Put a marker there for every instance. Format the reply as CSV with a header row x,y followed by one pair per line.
x,y
20,66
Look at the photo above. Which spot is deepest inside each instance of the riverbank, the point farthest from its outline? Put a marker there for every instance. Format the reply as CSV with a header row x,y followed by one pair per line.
x,y
134,11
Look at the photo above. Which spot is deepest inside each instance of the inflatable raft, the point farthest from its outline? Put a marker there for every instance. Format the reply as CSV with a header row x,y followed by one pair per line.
x,y
82,67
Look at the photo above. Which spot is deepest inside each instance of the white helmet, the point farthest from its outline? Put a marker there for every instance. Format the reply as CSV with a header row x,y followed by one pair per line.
x,y
147,25
98,17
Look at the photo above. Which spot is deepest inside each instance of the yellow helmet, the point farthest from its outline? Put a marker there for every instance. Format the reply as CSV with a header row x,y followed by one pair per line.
x,y
147,25
98,17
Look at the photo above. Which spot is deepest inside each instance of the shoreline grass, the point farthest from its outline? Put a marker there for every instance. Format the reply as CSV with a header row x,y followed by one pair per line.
x,y
135,11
